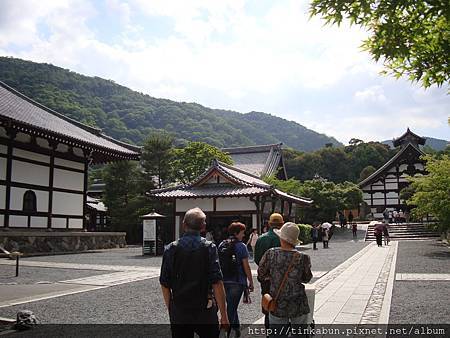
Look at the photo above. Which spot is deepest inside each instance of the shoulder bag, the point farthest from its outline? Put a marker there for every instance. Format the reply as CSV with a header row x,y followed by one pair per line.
x,y
268,303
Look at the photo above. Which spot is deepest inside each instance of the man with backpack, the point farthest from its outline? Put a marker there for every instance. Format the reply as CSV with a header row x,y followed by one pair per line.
x,y
192,283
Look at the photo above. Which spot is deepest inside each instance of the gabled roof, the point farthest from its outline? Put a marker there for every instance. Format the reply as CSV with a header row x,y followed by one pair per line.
x,y
409,137
390,163
22,113
238,183
263,160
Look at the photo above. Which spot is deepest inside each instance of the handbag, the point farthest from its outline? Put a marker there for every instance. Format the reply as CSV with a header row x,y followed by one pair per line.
x,y
268,303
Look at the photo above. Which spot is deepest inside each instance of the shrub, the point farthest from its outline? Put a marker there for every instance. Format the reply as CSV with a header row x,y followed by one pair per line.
x,y
305,233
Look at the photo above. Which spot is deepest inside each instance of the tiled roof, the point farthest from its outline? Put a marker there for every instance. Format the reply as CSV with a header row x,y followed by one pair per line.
x,y
408,136
261,160
240,184
212,190
25,114
389,164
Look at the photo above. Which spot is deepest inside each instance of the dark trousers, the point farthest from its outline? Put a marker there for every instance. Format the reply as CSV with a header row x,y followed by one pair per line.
x,y
184,323
325,244
315,243
379,237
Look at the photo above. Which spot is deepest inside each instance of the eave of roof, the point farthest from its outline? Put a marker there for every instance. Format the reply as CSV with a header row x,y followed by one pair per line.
x,y
103,147
388,164
252,149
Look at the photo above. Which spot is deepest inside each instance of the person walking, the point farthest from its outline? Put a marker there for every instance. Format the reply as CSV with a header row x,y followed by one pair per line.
x,y
265,242
252,240
386,234
192,282
287,269
341,219
354,229
236,271
315,234
350,218
326,228
378,232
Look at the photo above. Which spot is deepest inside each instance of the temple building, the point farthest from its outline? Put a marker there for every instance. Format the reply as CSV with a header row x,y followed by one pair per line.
x,y
381,190
261,161
227,193
44,159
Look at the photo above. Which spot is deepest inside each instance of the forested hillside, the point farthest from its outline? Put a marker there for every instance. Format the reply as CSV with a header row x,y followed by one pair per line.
x,y
131,116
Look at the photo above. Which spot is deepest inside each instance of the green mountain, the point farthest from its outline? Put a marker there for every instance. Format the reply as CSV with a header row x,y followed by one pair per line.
x,y
130,116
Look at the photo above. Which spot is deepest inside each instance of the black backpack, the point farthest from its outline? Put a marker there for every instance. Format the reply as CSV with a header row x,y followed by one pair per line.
x,y
190,284
228,259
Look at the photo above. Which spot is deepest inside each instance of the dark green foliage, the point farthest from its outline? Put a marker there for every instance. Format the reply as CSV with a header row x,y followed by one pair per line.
x,y
305,233
337,164
156,159
131,116
191,161
328,197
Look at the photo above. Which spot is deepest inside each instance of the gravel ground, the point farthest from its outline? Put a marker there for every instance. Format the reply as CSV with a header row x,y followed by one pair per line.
x,y
421,302
127,256
429,256
141,302
31,275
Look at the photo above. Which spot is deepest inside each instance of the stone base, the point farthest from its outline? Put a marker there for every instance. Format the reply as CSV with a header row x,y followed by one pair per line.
x,y
32,241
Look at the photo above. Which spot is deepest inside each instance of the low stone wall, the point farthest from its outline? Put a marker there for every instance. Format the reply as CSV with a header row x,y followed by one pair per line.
x,y
30,242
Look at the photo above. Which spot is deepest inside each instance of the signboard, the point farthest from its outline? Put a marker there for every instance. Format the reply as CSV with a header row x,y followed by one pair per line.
x,y
149,230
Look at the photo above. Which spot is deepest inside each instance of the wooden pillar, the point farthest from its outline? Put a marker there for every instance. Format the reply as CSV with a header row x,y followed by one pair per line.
x,y
51,178
11,136
85,188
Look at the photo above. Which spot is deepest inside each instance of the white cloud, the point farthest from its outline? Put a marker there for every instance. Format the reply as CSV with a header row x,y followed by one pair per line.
x,y
374,94
219,54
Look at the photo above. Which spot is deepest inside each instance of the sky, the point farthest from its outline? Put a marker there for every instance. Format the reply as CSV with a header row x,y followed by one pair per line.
x,y
256,55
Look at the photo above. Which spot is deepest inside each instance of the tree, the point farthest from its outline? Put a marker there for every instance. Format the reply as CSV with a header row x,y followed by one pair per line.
x,y
411,37
194,159
124,198
157,156
366,172
328,197
432,192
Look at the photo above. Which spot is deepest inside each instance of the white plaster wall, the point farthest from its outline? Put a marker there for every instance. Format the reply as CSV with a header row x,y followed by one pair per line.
x,y
16,202
419,166
67,204
30,173
392,170
378,187
70,164
402,179
42,143
2,168
38,222
62,148
21,137
3,132
68,180
378,202
234,204
206,204
378,195
31,155
18,221
391,185
402,167
366,196
392,201
2,197
3,149
2,220
392,194
75,223
58,223
78,152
